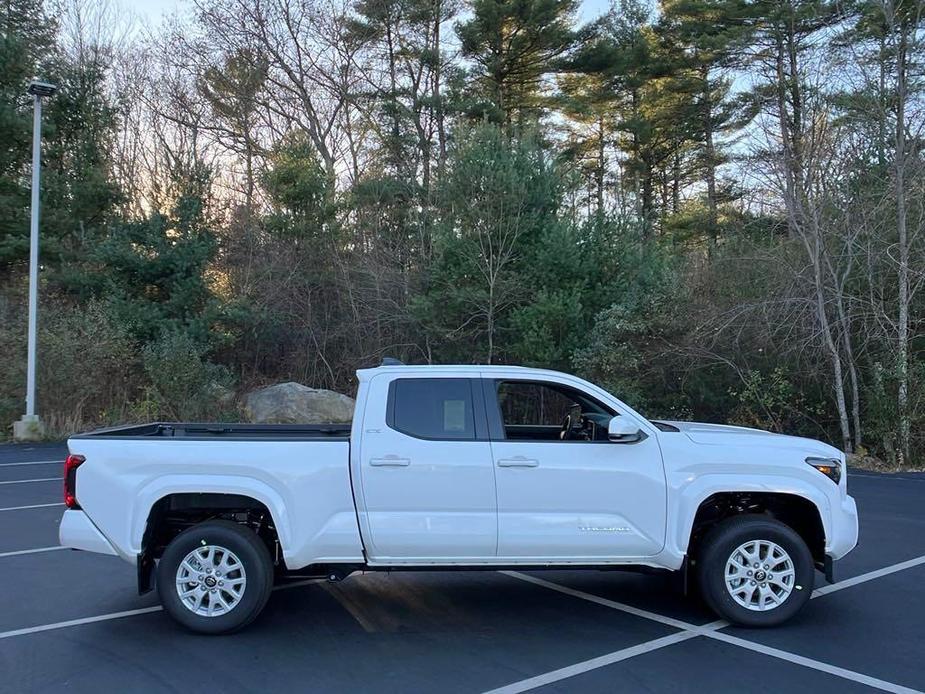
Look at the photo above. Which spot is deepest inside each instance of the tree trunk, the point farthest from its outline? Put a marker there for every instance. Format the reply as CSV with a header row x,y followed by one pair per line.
x,y
395,146
902,352
845,324
831,346
676,183
438,99
600,169
709,153
491,323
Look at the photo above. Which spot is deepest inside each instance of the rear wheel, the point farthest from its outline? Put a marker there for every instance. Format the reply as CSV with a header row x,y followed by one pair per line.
x,y
755,571
215,577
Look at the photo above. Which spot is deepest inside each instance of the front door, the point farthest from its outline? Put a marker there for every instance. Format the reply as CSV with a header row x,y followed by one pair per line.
x,y
428,480
565,492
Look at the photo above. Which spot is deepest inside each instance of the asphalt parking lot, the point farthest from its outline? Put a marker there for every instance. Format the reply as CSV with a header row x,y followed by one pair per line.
x,y
73,621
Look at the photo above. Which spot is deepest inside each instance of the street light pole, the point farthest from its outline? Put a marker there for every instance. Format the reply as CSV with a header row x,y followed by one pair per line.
x,y
34,252
30,427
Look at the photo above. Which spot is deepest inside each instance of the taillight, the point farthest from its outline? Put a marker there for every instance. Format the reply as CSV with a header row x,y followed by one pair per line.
x,y
71,463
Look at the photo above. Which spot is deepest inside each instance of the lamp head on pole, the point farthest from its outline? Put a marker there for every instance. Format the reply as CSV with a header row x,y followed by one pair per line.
x,y
37,88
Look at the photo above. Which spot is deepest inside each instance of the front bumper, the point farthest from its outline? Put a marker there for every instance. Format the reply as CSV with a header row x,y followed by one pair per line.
x,y
843,536
77,531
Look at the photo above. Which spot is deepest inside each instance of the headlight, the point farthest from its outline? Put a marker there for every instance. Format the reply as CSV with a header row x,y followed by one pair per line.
x,y
830,467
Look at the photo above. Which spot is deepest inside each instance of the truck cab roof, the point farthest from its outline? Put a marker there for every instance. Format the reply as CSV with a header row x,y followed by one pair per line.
x,y
436,369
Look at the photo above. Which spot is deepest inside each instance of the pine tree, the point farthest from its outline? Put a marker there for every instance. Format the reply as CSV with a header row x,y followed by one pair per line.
x,y
232,92
514,45
27,41
637,92
79,122
499,205
152,272
706,39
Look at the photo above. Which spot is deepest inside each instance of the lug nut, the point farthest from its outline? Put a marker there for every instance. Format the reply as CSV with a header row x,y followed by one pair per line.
x,y
208,571
753,583
221,583
756,565
749,573
212,591
766,567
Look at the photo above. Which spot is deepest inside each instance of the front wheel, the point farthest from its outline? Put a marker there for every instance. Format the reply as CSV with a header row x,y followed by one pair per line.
x,y
755,571
215,577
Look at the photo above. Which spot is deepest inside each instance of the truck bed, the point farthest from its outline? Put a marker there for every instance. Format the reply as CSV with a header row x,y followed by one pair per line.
x,y
239,431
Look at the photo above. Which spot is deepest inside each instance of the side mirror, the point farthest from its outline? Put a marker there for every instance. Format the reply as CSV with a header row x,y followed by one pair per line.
x,y
622,430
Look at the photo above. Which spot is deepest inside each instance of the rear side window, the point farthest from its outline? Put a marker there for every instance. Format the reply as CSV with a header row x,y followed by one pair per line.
x,y
432,408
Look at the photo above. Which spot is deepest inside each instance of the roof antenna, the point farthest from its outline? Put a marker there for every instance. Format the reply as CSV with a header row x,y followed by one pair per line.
x,y
391,361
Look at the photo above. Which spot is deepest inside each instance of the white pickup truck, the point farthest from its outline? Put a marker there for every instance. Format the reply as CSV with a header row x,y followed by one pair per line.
x,y
460,466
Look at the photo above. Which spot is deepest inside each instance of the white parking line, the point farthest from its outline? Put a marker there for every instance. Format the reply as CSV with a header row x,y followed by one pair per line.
x,y
813,664
31,551
119,615
593,663
623,607
23,508
708,630
869,576
40,479
78,622
687,631
34,462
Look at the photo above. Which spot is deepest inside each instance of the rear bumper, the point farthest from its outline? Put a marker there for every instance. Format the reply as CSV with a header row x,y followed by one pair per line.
x,y
78,532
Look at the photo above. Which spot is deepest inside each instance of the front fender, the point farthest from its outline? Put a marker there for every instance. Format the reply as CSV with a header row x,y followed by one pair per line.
x,y
690,495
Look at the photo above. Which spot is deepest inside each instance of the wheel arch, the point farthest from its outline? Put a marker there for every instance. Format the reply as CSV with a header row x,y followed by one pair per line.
x,y
174,505
170,485
797,511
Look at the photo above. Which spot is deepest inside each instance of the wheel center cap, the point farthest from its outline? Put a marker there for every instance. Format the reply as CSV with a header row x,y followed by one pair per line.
x,y
760,575
210,581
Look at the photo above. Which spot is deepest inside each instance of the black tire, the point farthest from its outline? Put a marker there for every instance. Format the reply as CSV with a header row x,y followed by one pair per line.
x,y
719,545
254,557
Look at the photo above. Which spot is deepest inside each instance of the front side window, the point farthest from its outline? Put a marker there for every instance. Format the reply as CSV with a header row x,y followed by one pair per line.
x,y
432,408
538,411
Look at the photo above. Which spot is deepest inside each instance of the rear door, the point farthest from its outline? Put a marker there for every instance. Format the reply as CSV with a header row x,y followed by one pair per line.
x,y
427,475
570,499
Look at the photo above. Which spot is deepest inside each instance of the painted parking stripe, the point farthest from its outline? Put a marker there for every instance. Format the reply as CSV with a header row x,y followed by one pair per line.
x,y
40,479
819,592
811,663
623,607
869,576
34,462
78,622
120,615
594,663
23,508
712,630
37,550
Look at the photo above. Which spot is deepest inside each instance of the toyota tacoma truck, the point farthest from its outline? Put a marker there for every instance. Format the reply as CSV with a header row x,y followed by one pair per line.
x,y
445,467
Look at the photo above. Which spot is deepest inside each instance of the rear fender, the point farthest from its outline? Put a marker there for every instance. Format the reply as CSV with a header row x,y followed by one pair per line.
x,y
166,485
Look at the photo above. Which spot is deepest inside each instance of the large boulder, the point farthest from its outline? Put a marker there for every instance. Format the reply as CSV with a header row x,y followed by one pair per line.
x,y
293,403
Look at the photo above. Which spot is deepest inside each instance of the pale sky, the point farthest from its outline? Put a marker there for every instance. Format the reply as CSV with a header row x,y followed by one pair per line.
x,y
153,10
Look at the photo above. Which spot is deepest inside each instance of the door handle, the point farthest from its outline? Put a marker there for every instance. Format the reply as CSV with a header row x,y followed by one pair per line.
x,y
518,461
390,461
